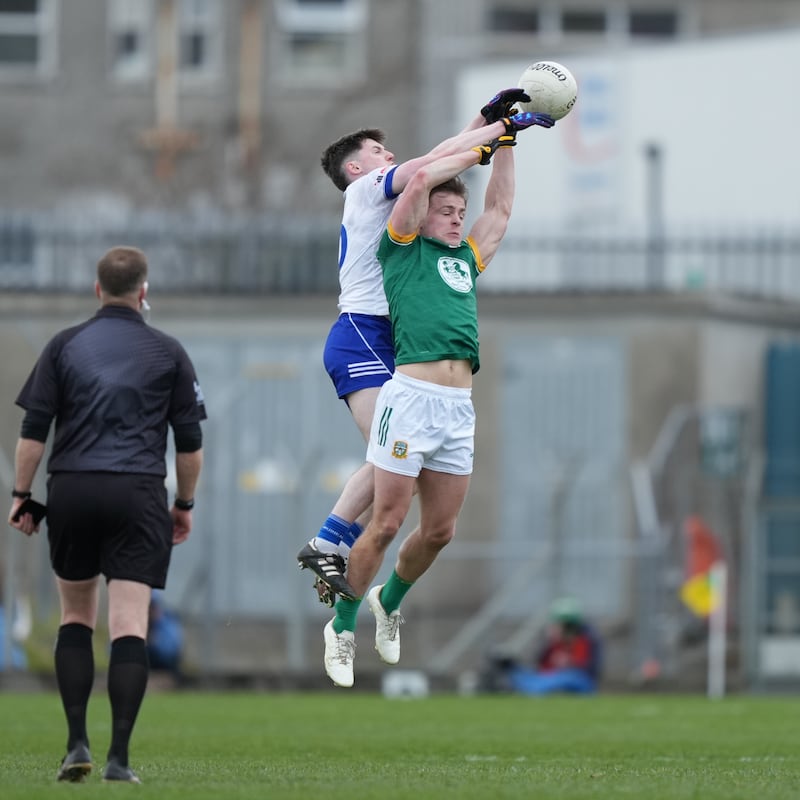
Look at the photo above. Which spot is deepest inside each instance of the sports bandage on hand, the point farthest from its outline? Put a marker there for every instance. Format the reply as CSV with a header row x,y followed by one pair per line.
x,y
486,151
526,119
501,105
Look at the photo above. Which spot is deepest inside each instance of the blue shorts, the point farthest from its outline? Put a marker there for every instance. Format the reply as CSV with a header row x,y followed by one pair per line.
x,y
359,352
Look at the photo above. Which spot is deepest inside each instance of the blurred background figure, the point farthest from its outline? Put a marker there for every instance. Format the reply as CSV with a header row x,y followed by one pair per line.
x,y
12,652
568,659
164,638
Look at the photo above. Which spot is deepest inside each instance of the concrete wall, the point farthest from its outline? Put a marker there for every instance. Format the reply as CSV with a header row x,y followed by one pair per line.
x,y
690,349
683,349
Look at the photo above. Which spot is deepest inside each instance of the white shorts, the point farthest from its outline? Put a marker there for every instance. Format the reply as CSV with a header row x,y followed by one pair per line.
x,y
421,424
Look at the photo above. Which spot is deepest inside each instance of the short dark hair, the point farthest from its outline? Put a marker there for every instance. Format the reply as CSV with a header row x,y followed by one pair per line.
x,y
122,270
336,154
452,186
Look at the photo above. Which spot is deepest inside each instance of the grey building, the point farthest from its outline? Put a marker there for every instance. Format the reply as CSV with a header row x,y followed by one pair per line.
x,y
113,105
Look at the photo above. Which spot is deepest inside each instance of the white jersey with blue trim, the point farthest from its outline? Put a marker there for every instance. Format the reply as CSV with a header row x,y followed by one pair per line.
x,y
368,202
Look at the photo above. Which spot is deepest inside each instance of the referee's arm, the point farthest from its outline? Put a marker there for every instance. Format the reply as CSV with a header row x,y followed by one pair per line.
x,y
188,463
187,469
27,457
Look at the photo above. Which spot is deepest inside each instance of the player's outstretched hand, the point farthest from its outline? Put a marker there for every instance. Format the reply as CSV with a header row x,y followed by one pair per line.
x,y
486,151
527,119
501,104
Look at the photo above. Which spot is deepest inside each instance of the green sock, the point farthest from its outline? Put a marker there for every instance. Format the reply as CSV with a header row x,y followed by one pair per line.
x,y
346,612
393,592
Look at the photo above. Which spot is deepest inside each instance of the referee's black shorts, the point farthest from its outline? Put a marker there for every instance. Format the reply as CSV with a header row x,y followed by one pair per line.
x,y
111,523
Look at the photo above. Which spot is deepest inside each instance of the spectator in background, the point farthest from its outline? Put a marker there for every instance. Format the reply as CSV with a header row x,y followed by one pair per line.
x,y
19,628
164,638
567,660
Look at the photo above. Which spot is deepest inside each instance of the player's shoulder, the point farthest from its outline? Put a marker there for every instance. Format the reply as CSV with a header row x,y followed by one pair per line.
x,y
170,342
59,340
392,235
372,185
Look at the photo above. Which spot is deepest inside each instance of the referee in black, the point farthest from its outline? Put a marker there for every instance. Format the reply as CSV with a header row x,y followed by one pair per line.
x,y
113,385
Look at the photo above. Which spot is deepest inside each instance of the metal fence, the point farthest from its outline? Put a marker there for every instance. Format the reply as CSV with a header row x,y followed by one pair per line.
x,y
211,252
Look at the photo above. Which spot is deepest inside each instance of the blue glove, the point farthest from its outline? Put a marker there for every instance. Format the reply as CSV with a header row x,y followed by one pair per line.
x,y
526,119
501,104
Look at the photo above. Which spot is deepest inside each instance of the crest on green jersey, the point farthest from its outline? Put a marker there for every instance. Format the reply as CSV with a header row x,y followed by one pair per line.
x,y
456,274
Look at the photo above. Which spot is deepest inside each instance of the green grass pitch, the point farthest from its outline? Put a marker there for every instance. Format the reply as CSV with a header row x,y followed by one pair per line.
x,y
330,745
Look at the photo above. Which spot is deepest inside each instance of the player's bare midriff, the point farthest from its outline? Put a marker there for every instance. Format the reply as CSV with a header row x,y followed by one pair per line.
x,y
448,372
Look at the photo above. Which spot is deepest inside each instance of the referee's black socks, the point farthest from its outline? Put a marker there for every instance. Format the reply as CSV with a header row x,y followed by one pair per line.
x,y
74,663
127,680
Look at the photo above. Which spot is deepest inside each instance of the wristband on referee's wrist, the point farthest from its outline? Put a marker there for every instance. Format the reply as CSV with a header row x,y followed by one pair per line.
x,y
184,505
20,495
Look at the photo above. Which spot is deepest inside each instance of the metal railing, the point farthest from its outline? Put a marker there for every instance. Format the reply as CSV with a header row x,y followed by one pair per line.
x,y
217,253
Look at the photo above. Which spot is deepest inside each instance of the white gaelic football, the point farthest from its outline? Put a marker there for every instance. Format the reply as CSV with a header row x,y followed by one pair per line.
x,y
552,88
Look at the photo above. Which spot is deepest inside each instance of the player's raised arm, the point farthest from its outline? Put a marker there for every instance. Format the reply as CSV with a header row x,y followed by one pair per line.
x,y
412,206
489,228
493,121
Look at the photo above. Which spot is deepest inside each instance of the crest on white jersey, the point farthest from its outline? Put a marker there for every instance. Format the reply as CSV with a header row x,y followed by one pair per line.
x,y
455,273
380,176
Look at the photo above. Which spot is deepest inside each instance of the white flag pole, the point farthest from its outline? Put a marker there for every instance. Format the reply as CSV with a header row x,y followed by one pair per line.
x,y
717,625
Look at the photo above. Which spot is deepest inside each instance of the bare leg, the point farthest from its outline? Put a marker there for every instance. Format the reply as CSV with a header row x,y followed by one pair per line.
x,y
362,407
393,494
128,609
355,501
78,601
441,497
327,553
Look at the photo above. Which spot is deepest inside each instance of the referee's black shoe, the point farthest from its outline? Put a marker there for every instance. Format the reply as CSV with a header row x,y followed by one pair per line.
x,y
77,764
114,771
329,569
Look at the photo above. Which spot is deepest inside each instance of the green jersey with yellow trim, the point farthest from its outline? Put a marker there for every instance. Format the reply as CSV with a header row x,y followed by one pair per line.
x,y
432,298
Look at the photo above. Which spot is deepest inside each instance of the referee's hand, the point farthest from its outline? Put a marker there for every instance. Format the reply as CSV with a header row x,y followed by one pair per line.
x,y
181,525
25,522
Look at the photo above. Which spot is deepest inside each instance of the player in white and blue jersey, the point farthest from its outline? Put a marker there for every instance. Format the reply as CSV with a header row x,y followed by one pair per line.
x,y
359,353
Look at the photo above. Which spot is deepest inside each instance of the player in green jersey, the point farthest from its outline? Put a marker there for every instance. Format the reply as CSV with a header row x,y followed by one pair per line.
x,y
423,430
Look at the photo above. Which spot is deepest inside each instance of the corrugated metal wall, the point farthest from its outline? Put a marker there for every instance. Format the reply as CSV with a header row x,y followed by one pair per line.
x,y
563,463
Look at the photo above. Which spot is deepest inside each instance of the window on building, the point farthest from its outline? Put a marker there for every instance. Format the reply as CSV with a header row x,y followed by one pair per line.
x,y
320,42
134,43
27,37
563,17
131,32
17,250
588,20
199,38
514,20
647,22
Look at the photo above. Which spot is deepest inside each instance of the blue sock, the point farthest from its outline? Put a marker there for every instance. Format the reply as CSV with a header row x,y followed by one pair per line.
x,y
333,530
349,539
353,532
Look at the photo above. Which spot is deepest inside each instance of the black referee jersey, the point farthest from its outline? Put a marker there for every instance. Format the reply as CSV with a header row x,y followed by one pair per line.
x,y
114,385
